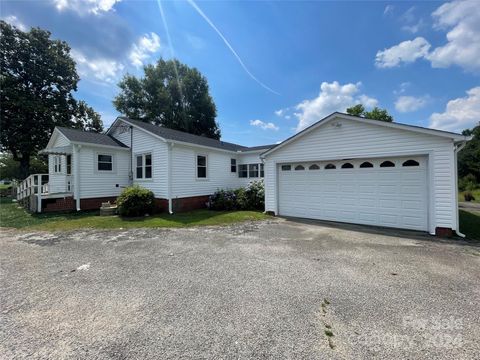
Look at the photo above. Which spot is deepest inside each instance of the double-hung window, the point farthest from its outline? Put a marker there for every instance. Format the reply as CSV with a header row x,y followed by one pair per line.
x,y
253,170
143,166
262,172
243,170
233,165
69,164
57,164
201,167
104,162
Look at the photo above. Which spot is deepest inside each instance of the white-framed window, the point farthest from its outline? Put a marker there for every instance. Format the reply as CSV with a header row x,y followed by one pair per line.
x,y
243,171
69,164
202,166
262,171
253,170
105,162
57,164
233,165
144,167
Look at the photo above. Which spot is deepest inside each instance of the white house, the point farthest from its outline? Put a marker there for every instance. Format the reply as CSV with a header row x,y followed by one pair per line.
x,y
181,169
342,168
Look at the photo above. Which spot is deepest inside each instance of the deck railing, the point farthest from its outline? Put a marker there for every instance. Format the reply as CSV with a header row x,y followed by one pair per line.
x,y
34,184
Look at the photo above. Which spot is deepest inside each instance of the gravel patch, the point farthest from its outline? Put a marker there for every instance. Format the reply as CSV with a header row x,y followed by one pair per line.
x,y
277,289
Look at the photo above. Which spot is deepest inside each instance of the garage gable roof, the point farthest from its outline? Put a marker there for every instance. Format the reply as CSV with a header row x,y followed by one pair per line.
x,y
338,115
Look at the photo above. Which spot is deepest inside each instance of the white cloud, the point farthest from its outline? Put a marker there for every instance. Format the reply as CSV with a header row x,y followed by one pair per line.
x,y
85,6
13,20
144,48
332,97
414,27
280,112
410,103
388,9
102,69
463,46
264,125
407,52
462,19
459,114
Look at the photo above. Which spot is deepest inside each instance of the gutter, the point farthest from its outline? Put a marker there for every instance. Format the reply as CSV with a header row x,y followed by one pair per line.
x,y
458,147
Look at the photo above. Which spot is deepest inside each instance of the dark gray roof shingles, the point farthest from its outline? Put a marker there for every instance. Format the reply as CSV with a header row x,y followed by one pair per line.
x,y
181,136
76,135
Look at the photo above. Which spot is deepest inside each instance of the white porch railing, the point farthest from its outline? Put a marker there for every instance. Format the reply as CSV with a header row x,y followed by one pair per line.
x,y
35,184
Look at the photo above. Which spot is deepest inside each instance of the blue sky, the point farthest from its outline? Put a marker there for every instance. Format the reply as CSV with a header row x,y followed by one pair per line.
x,y
276,67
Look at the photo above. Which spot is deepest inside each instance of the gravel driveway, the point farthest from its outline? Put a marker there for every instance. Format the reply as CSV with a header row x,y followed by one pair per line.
x,y
274,289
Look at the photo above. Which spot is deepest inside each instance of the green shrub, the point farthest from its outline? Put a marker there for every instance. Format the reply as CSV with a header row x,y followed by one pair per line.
x,y
250,198
255,195
468,196
222,200
135,201
468,183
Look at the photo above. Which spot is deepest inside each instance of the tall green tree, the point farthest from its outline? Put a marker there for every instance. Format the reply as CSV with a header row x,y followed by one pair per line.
x,y
375,114
170,94
37,78
469,156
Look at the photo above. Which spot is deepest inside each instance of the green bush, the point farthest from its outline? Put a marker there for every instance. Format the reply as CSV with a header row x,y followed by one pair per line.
x,y
250,198
468,183
255,195
135,201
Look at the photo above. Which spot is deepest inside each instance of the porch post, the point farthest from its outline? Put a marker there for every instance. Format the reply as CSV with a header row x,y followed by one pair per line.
x,y
76,175
39,193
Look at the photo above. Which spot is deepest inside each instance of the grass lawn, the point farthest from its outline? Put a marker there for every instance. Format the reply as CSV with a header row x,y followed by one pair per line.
x,y
470,224
12,215
3,186
476,195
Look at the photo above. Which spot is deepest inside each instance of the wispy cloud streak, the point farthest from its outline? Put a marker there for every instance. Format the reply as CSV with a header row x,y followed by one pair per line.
x,y
212,25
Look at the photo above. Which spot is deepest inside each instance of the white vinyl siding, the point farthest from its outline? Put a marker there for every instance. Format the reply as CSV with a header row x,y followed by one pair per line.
x,y
57,181
95,183
359,140
184,172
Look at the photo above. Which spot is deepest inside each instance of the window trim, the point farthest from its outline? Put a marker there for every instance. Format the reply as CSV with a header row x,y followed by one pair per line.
x,y
144,166
258,171
57,164
68,167
97,170
262,170
233,165
206,167
241,171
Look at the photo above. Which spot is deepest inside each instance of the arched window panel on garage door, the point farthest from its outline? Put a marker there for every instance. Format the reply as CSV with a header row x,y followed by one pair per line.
x,y
330,166
314,167
347,166
366,164
299,167
387,163
411,162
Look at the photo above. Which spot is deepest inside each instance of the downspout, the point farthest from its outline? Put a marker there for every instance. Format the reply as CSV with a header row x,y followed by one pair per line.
x,y
457,149
130,174
76,174
169,177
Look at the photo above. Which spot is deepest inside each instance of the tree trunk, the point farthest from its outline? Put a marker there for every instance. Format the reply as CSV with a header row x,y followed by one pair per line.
x,y
24,166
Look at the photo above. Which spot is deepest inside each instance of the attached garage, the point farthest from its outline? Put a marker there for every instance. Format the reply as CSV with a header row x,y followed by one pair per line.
x,y
387,191
356,170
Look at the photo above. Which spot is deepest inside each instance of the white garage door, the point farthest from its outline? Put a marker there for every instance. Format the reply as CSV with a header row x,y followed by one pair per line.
x,y
384,192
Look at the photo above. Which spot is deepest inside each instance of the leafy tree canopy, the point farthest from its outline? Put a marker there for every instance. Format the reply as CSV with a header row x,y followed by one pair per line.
x,y
170,94
469,156
37,78
375,114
